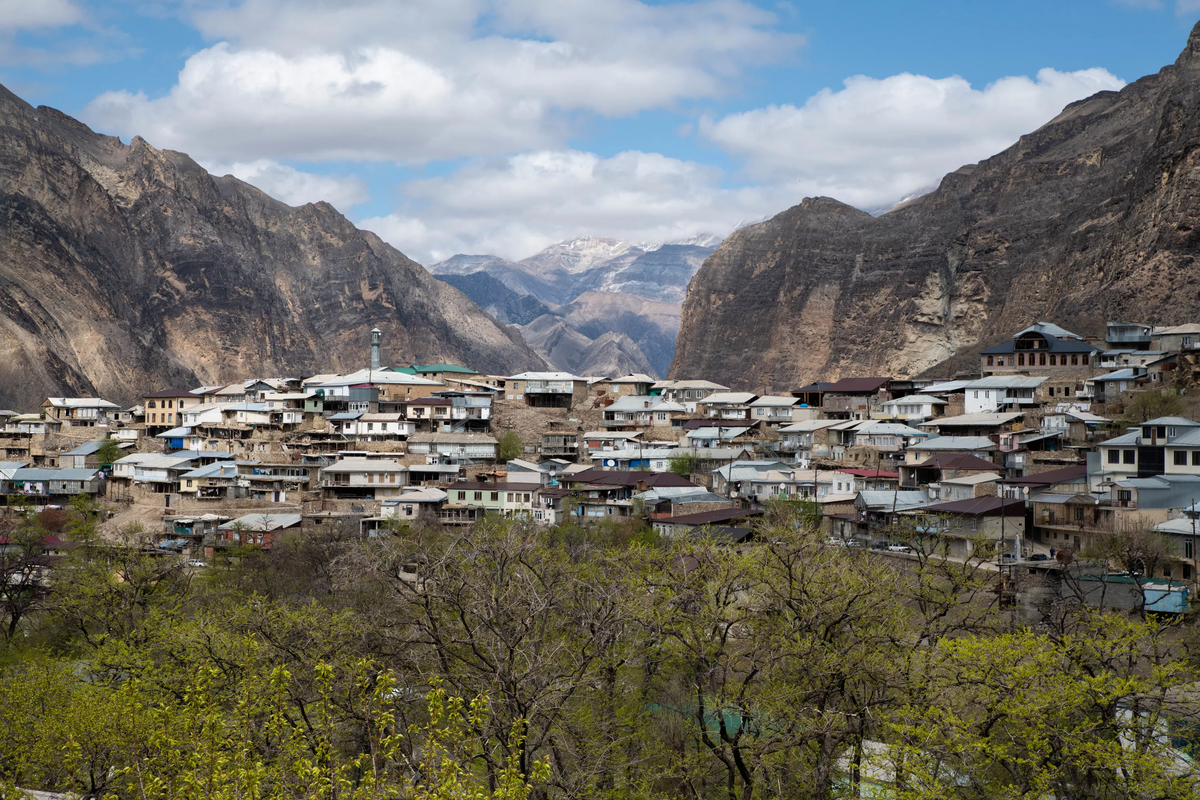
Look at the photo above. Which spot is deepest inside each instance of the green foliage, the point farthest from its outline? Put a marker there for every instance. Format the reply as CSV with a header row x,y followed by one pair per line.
x,y
505,661
1153,403
110,451
682,464
509,446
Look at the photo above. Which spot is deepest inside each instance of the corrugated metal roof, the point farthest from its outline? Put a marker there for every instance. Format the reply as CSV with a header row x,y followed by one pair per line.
x,y
262,522
1007,382
39,474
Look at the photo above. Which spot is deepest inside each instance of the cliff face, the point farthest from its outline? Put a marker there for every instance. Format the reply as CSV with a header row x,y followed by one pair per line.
x,y
1092,217
125,268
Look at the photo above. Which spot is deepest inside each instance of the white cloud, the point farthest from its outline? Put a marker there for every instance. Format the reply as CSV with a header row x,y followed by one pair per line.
x,y
295,187
519,205
38,13
414,82
875,141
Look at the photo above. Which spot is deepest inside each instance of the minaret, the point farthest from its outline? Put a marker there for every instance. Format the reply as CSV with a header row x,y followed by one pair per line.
x,y
375,334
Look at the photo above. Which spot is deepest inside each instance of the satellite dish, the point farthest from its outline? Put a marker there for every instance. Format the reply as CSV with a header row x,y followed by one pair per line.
x,y
608,462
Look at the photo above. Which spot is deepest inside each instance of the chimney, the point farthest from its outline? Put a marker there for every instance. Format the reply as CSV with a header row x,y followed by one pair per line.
x,y
375,334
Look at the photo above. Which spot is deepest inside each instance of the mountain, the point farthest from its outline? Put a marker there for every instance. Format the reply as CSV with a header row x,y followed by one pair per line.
x,y
1093,217
572,275
497,299
124,268
569,350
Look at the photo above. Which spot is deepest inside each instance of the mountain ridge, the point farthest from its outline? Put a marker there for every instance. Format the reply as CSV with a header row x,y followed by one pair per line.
x,y
1093,216
127,268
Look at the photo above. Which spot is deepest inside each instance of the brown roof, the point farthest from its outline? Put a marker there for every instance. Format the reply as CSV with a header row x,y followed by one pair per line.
x,y
958,461
857,385
710,517
981,507
1064,475
628,478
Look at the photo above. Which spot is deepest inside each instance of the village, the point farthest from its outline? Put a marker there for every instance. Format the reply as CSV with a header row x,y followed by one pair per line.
x,y
1053,446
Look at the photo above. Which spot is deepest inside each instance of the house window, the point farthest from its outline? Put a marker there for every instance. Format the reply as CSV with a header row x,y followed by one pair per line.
x,y
151,405
976,395
1181,458
1114,456
990,360
479,495
1074,361
1129,456
462,495
1079,515
1084,359
1196,458
1000,361
1021,360
525,499
189,483
495,497
1042,359
1053,360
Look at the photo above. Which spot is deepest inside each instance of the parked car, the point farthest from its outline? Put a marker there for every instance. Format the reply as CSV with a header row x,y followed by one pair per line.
x,y
197,563
899,548
879,546
854,543
1039,557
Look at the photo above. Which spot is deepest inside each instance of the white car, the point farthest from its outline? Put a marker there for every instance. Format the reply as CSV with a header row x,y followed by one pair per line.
x,y
899,548
196,563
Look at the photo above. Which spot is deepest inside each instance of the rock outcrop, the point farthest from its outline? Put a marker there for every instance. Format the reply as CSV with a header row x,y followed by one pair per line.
x,y
1094,216
124,269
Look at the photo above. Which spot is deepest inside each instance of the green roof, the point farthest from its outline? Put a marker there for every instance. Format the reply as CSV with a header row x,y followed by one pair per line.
x,y
442,368
404,370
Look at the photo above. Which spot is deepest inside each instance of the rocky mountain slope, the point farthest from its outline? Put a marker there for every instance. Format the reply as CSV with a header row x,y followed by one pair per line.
x,y
124,269
1094,216
573,275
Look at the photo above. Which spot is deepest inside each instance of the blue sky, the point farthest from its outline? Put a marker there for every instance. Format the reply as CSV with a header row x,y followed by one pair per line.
x,y
487,126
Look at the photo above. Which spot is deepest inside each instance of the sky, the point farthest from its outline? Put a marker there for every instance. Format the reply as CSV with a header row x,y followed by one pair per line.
x,y
502,126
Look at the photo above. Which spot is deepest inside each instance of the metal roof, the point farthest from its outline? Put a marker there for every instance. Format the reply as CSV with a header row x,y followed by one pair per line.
x,y
919,399
262,522
1007,382
885,500
940,443
730,398
39,474
545,376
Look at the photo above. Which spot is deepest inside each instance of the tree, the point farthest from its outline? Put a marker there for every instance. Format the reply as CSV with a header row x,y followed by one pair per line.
x,y
509,446
1153,403
110,451
682,464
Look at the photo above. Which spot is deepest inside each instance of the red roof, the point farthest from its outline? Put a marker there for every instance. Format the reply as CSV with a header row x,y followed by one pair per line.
x,y
870,473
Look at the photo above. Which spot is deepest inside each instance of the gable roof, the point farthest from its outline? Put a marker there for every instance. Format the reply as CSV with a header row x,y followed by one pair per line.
x,y
956,461
982,507
1074,474
630,478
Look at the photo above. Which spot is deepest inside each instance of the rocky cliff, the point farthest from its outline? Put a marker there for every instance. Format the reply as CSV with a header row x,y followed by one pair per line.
x,y
124,268
1094,216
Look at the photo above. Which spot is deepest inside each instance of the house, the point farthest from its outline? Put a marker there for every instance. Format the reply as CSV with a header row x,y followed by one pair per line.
x,y
1181,533
982,527
773,409
470,410
309,402
889,437
1166,445
216,481
1176,338
718,436
598,493
384,427
966,486
689,393
632,412
984,424
363,478
941,446
415,504
79,412
912,408
272,482
669,501
731,406
52,485
260,529
429,414
160,473
942,466
737,478
470,501
807,439
727,523
877,512
851,480
854,398
561,443
546,389
358,390
439,372
634,383
1042,348
1001,393
1109,387
164,409
86,455
453,448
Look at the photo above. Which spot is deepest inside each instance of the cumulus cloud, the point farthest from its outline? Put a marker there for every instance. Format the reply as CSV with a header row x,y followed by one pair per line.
x,y
519,205
295,187
414,82
876,141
